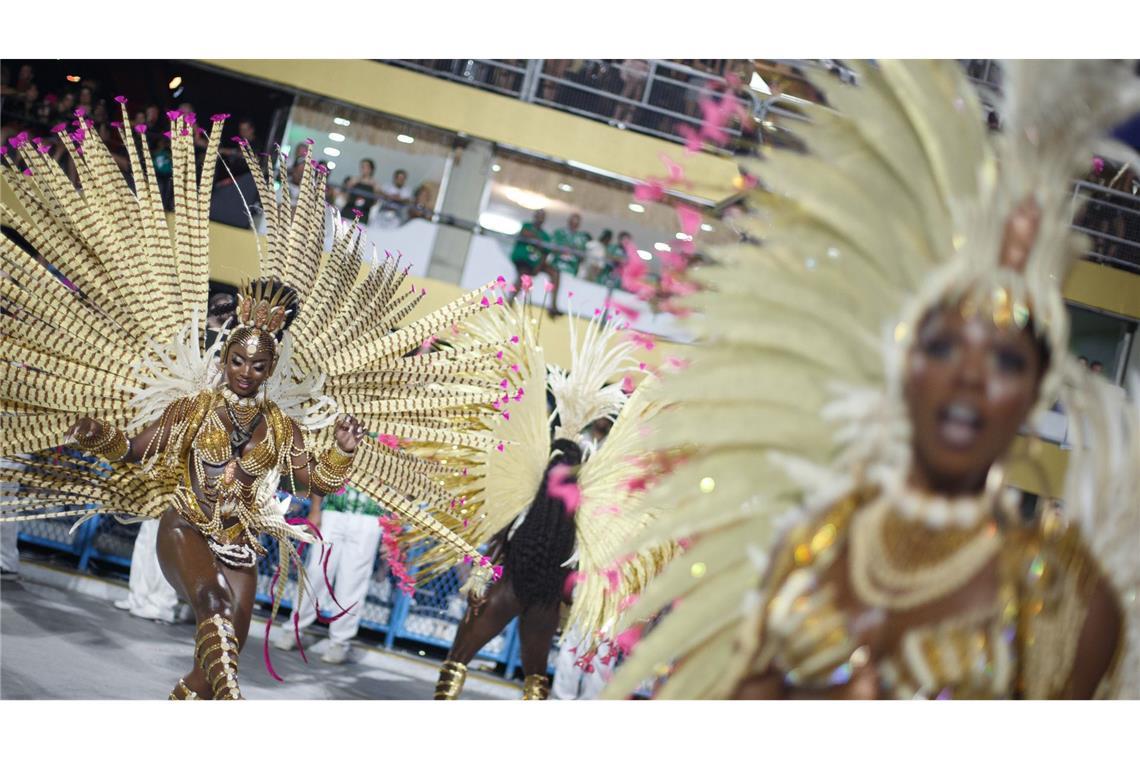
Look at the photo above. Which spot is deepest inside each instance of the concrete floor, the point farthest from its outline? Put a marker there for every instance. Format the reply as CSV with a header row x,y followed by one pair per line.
x,y
60,642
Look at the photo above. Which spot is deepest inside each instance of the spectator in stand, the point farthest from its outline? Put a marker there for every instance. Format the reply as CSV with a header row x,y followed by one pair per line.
x,y
230,152
1097,368
531,252
86,99
65,108
615,259
635,73
596,255
1083,361
423,204
25,79
361,191
396,196
569,246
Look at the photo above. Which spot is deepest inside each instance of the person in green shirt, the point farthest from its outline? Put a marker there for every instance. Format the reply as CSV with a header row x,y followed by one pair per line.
x,y
531,254
570,245
615,259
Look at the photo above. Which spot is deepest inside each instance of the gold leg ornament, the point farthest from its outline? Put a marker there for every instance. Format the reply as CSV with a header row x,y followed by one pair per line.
x,y
451,678
183,693
216,650
536,687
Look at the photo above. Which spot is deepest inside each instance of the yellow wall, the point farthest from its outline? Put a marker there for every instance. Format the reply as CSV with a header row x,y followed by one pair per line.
x,y
1105,288
460,108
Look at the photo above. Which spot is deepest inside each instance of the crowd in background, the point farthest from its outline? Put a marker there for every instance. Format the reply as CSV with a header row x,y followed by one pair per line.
x,y
48,115
392,203
1111,217
570,250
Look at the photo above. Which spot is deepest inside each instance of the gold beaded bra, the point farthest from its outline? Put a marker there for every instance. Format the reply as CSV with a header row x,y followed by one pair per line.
x,y
226,511
818,622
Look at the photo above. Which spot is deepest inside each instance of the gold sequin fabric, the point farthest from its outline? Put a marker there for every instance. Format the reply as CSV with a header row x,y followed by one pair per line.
x,y
1019,644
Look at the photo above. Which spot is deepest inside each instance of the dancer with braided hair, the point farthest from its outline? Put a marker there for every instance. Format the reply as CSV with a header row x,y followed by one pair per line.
x,y
547,509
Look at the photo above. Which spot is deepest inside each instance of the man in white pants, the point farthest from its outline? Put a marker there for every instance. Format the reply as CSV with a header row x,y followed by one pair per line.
x,y
572,682
151,596
350,521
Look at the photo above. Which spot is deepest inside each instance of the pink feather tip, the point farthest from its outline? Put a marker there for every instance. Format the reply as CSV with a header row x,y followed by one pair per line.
x,y
527,282
560,486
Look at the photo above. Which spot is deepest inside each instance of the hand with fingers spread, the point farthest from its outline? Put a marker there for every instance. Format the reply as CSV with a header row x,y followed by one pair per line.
x,y
349,432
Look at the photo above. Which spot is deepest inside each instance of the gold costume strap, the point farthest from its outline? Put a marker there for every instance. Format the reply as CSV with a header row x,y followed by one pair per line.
x,y
332,470
451,679
183,693
218,661
111,443
536,687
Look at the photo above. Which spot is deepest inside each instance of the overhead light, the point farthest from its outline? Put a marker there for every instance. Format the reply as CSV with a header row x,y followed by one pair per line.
x,y
637,208
759,84
489,220
331,165
178,92
662,247
496,168
646,255
406,139
833,253
809,263
331,152
174,83
566,188
526,198
336,137
706,227
341,122
73,78
683,236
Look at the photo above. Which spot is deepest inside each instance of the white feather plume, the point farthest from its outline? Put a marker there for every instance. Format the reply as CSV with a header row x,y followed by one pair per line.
x,y
588,392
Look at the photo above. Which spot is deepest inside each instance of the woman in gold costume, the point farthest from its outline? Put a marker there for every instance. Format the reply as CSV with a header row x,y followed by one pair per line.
x,y
873,551
203,441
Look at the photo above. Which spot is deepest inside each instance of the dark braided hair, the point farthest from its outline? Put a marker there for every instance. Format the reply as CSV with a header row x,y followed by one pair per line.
x,y
545,539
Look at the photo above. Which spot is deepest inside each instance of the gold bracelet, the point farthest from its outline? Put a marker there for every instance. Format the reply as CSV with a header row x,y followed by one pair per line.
x,y
338,457
332,471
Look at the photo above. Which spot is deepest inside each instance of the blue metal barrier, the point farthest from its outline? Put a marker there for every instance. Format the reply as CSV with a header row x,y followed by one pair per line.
x,y
431,615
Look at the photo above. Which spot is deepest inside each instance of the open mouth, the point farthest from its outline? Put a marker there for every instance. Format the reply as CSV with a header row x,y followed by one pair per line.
x,y
959,424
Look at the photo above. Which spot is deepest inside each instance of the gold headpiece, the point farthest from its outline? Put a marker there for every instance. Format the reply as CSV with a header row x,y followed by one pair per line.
x,y
263,308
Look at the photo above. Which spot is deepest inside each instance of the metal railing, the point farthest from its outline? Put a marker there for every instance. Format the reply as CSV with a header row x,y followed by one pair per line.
x,y
1111,219
654,97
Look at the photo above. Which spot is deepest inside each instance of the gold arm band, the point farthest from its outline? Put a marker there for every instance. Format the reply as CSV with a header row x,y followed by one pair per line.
x,y
332,470
111,444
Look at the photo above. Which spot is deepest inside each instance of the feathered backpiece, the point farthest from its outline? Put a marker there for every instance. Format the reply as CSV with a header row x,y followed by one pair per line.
x,y
111,341
590,389
431,411
901,203
491,489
